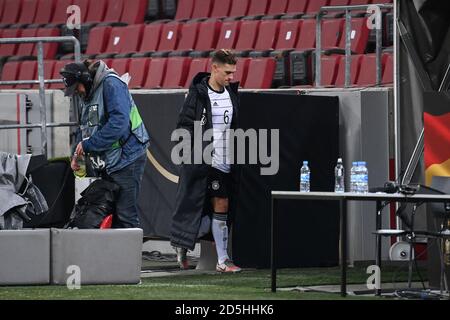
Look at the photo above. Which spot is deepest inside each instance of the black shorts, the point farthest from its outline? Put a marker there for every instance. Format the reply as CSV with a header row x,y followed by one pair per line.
x,y
219,183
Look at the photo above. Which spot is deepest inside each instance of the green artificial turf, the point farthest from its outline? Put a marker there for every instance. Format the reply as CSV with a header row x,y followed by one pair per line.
x,y
252,284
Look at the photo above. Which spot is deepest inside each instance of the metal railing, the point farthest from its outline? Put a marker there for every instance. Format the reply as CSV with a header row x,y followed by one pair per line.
x,y
41,81
348,31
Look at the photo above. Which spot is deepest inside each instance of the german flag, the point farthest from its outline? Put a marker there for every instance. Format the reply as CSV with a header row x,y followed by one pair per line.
x,y
437,135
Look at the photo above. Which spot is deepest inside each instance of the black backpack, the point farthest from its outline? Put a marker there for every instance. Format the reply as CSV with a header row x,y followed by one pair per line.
x,y
96,203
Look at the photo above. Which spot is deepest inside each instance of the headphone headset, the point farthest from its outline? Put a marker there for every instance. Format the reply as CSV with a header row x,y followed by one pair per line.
x,y
84,77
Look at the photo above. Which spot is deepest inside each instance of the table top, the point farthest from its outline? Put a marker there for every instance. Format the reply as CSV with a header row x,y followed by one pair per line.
x,y
380,196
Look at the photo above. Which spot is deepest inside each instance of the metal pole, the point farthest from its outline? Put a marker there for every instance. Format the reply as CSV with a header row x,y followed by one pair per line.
x,y
397,100
343,247
272,246
378,240
43,111
38,125
318,49
348,49
378,31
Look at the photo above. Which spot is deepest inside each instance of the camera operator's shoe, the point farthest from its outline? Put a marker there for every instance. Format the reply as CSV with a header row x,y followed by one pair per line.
x,y
182,258
228,267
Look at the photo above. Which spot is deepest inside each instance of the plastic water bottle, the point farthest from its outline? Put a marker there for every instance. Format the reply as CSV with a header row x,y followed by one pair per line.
x,y
353,176
81,172
304,177
364,173
339,183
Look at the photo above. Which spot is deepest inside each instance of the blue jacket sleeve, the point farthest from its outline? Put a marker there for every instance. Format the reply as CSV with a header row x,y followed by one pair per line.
x,y
118,106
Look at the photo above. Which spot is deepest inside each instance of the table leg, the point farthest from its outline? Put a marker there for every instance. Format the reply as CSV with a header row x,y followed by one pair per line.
x,y
272,246
343,246
378,243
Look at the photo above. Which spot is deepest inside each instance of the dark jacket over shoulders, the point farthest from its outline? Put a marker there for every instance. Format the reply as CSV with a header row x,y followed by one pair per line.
x,y
191,194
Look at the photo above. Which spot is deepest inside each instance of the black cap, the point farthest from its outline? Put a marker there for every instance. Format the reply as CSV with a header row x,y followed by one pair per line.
x,y
72,75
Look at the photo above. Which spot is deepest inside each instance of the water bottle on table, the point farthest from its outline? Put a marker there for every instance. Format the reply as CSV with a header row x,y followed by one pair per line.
x,y
353,176
339,183
304,177
364,177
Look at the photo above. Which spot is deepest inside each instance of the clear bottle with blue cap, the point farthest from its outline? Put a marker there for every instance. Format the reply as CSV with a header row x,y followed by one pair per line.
x,y
305,174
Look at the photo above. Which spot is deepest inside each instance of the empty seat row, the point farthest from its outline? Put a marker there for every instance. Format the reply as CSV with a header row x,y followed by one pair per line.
x,y
198,9
363,70
154,73
28,49
177,72
20,13
199,38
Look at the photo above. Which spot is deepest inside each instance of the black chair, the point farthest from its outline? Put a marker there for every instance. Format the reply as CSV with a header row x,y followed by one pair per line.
x,y
440,211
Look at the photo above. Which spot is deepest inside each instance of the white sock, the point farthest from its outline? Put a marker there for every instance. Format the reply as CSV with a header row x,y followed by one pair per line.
x,y
220,233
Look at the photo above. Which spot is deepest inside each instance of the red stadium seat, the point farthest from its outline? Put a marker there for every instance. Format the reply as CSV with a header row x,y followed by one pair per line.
x,y
382,1
359,35
267,35
169,36
197,65
297,6
207,35
337,14
60,13
151,37
329,69
367,75
188,39
138,69
44,12
28,12
176,73
277,7
26,49
56,75
120,65
388,73
314,6
28,71
10,72
9,49
288,35
132,38
51,48
97,11
338,2
260,73
11,12
155,74
247,35
202,9
354,70
331,33
258,7
48,72
307,35
184,9
221,9
114,10
115,41
332,30
2,5
134,11
98,38
229,34
239,8
241,70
